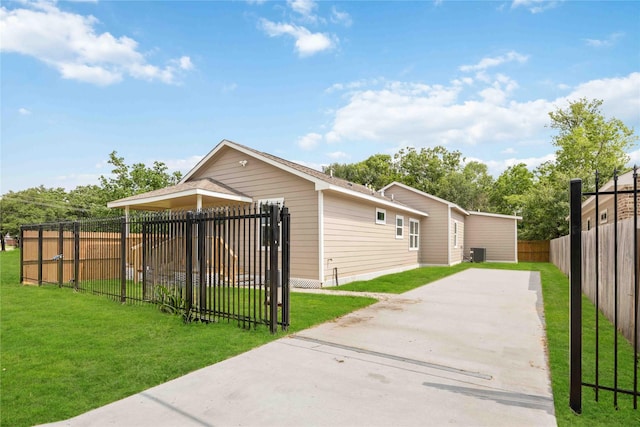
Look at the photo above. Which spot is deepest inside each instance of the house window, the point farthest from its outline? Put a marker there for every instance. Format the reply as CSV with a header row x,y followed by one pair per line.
x,y
455,234
265,206
414,234
588,224
603,217
399,227
381,216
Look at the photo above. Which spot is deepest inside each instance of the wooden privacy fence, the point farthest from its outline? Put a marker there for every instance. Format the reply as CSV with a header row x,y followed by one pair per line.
x,y
560,256
533,250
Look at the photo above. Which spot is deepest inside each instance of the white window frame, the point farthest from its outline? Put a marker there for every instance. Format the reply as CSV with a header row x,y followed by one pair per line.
x,y
280,202
414,238
455,234
400,227
604,216
382,221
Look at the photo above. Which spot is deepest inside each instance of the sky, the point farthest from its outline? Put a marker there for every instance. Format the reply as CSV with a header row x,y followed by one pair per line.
x,y
314,82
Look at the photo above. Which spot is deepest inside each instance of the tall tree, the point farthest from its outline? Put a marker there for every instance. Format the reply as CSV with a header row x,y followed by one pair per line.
x,y
33,206
427,168
138,178
377,170
587,141
508,191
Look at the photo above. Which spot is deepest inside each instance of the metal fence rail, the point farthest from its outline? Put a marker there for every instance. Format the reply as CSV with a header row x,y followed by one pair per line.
x,y
225,264
603,279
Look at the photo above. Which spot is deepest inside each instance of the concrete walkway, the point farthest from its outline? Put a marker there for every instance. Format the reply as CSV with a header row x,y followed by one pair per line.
x,y
466,350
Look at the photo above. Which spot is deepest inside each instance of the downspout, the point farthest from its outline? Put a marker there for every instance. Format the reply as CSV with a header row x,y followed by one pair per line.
x,y
321,236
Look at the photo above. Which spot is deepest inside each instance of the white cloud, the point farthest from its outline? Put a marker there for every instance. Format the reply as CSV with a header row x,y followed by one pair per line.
x,y
634,158
339,17
509,150
309,141
535,6
304,8
403,113
306,42
486,63
69,43
23,111
182,165
496,167
336,155
607,42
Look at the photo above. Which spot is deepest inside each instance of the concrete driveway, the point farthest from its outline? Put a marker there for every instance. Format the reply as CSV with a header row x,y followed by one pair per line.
x,y
466,350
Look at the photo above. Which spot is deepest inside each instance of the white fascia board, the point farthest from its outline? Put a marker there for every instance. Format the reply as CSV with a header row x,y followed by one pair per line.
x,y
494,215
373,199
190,192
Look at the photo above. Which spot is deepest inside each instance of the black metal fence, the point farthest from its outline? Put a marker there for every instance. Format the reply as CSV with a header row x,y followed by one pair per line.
x,y
617,272
225,264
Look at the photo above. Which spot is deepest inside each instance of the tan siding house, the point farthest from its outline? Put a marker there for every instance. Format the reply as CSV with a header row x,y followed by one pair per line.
x,y
498,234
450,231
339,229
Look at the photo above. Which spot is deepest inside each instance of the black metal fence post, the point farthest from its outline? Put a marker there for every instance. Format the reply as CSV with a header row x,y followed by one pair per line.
x,y
273,267
188,261
20,241
286,267
60,255
123,259
39,255
202,264
76,255
575,381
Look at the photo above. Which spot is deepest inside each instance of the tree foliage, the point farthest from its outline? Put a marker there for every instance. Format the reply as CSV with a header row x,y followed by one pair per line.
x,y
39,204
587,141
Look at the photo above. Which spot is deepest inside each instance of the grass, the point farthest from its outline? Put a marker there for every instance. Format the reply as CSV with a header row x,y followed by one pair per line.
x,y
555,288
64,353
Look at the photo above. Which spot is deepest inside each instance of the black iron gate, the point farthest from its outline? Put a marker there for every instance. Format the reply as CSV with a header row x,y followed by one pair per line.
x,y
587,258
224,264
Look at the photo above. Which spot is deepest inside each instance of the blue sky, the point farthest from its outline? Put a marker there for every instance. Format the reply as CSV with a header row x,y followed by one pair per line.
x,y
311,81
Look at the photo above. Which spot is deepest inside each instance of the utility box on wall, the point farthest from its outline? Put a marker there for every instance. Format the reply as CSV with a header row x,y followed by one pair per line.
x,y
478,254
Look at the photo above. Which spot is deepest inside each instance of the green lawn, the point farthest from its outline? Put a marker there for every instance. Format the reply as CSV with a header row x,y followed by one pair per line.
x,y
555,288
64,353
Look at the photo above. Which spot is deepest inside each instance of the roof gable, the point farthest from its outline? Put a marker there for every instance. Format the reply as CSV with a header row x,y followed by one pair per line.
x,y
321,180
451,205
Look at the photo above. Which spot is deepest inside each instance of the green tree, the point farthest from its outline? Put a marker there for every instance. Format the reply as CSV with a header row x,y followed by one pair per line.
x,y
33,206
377,170
508,191
428,168
468,188
587,141
138,178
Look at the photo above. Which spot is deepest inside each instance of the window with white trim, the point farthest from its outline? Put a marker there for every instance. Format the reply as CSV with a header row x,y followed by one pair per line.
x,y
455,234
265,205
381,216
414,234
399,227
603,217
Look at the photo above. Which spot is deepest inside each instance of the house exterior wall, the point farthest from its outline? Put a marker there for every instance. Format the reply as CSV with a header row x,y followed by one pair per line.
x,y
433,229
456,237
606,202
359,247
261,180
498,235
